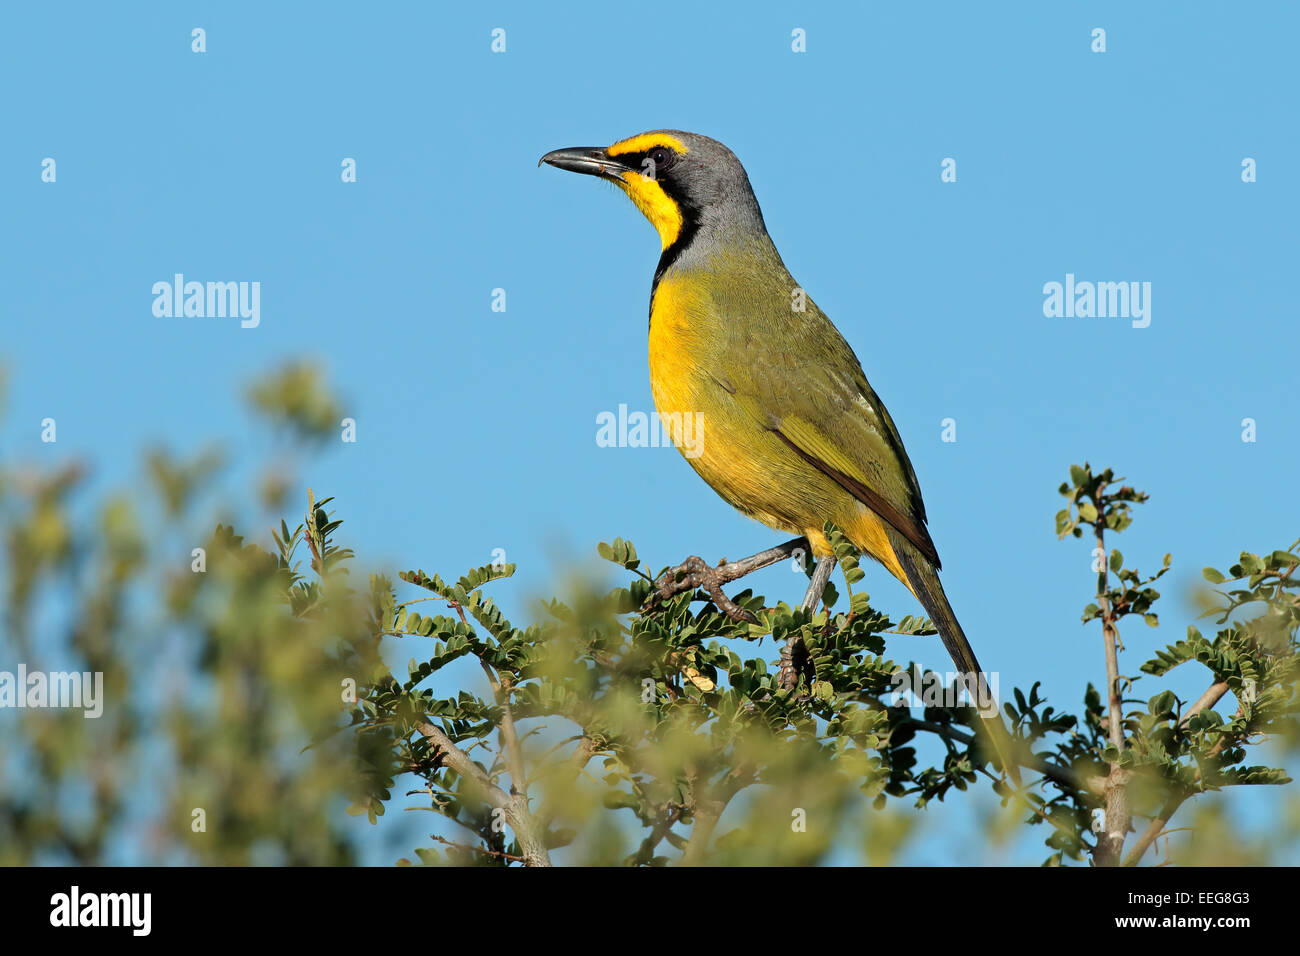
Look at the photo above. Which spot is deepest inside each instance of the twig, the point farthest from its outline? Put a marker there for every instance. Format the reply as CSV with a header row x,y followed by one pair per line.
x,y
576,763
1110,842
1152,832
706,804
646,851
1213,694
455,606
501,687
479,849
1054,772
515,806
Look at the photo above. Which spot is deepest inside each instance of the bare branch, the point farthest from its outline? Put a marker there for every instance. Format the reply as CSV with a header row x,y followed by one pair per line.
x,y
515,805
572,767
706,804
645,853
501,854
514,753
1153,831
1213,694
1110,842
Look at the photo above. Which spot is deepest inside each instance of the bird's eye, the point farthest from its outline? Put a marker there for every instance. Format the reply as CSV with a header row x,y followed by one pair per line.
x,y
661,156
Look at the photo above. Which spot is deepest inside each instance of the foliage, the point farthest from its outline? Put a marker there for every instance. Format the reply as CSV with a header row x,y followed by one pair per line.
x,y
250,697
663,712
220,661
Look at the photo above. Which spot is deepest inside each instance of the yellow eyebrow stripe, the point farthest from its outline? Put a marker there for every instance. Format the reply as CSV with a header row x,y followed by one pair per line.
x,y
645,141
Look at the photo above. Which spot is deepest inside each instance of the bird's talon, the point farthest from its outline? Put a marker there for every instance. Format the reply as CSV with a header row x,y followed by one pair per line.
x,y
694,573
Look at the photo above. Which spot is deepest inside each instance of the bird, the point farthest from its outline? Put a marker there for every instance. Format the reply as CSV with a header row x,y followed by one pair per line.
x,y
791,431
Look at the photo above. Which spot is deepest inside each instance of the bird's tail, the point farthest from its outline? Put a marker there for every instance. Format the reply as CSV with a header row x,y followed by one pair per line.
x,y
923,581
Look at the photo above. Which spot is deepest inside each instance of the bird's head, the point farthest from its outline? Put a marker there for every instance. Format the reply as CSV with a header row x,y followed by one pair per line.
x,y
679,180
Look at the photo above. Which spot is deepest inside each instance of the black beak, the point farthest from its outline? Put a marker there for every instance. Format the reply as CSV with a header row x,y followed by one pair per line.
x,y
589,160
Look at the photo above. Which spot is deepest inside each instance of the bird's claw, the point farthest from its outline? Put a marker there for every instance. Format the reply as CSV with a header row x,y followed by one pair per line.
x,y
695,573
795,661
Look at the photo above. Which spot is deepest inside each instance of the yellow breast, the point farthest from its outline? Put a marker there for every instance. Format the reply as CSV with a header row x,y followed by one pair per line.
x,y
678,324
743,462
721,442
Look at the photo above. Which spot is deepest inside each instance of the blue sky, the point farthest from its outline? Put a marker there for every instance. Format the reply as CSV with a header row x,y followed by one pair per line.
x,y
1116,166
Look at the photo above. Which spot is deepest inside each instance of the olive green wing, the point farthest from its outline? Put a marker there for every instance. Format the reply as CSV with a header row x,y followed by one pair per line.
x,y
801,380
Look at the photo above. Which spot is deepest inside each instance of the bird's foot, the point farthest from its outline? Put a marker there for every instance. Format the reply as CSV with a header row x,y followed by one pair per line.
x,y
795,661
695,573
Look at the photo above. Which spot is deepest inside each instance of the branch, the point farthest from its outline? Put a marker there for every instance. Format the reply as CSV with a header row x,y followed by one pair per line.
x,y
1119,815
1213,694
1055,772
514,753
705,813
478,849
1052,771
1111,638
646,852
1155,829
576,763
707,808
515,805
738,569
